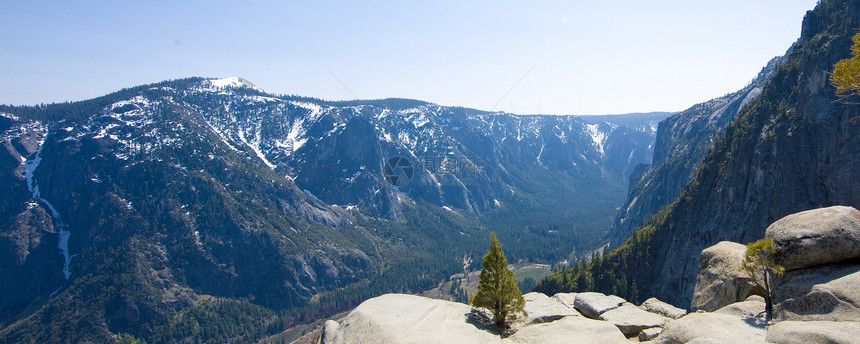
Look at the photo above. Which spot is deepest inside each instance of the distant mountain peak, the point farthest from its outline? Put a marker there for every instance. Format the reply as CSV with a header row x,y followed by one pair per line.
x,y
233,81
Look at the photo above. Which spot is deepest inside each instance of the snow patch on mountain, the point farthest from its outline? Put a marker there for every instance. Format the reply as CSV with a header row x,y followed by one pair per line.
x,y
138,101
254,143
315,110
309,193
420,121
540,154
9,116
560,134
597,136
297,137
220,135
232,81
30,166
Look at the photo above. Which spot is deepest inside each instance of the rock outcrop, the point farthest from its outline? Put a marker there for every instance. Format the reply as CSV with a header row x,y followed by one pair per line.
x,y
815,301
541,309
593,305
819,248
718,328
631,320
816,237
563,331
821,293
720,281
804,332
399,318
568,299
654,305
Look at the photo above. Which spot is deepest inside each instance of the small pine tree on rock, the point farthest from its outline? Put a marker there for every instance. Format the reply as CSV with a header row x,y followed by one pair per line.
x,y
497,287
758,263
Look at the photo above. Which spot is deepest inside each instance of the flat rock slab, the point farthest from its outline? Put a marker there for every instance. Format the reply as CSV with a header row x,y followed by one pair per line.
x,y
654,305
711,328
631,319
753,307
408,319
816,237
803,332
541,308
580,330
593,305
567,299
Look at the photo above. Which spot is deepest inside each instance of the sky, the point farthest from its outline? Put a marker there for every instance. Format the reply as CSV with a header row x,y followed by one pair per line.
x,y
537,57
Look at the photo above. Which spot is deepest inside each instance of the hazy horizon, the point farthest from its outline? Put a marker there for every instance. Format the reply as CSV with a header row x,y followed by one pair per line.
x,y
579,59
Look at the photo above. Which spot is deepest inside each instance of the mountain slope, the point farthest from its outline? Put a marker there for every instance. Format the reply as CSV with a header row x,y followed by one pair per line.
x,y
794,149
683,141
791,149
146,210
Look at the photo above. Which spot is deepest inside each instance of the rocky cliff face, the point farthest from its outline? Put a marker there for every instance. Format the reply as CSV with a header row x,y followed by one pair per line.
x,y
793,148
682,142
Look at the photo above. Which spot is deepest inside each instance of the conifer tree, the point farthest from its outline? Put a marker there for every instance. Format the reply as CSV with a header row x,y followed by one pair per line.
x,y
846,73
758,263
497,288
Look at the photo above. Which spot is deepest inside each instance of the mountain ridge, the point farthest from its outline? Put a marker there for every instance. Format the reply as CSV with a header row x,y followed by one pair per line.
x,y
189,195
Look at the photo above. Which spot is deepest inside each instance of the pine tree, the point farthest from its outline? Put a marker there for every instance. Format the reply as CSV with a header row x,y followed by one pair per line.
x,y
634,292
846,73
497,288
758,263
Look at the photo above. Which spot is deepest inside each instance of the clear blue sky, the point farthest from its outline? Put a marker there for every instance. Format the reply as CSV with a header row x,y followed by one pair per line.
x,y
588,57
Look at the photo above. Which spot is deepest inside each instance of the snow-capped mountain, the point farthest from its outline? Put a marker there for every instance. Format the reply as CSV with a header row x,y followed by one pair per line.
x,y
214,187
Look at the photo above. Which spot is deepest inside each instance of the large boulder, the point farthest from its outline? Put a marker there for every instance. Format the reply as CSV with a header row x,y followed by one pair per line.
x,y
654,305
821,293
803,332
399,318
711,328
567,330
593,304
720,282
631,319
816,237
541,308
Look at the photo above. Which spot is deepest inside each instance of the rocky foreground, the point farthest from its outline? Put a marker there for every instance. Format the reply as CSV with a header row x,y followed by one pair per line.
x,y
816,301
